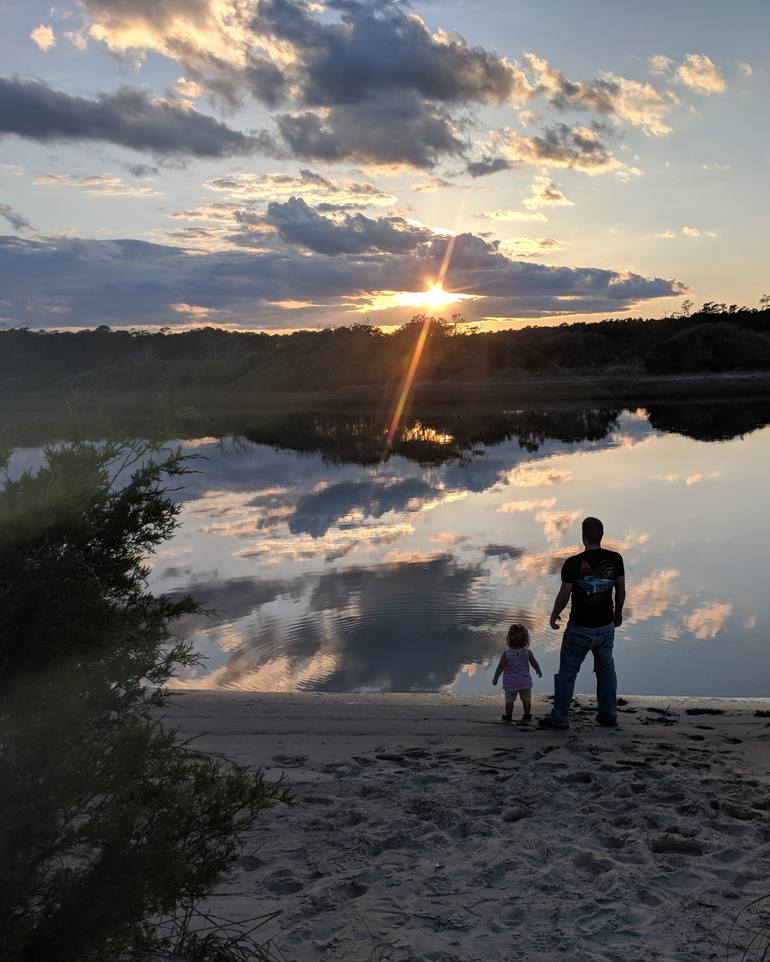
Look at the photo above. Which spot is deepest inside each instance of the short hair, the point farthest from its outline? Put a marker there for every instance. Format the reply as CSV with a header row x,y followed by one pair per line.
x,y
593,530
518,636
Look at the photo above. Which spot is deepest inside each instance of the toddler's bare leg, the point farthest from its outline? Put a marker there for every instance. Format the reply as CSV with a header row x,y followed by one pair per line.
x,y
526,701
510,698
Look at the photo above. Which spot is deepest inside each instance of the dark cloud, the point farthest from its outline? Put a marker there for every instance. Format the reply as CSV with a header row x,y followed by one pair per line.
x,y
559,145
14,218
436,599
297,223
504,551
488,165
385,86
231,599
67,281
566,146
376,48
142,170
319,511
130,117
389,128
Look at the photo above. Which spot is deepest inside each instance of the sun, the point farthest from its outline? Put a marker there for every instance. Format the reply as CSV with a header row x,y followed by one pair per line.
x,y
434,298
437,297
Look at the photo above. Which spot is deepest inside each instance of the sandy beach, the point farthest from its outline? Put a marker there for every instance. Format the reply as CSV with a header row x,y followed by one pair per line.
x,y
426,829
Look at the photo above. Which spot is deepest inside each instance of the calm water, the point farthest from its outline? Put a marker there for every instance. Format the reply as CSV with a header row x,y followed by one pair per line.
x,y
331,571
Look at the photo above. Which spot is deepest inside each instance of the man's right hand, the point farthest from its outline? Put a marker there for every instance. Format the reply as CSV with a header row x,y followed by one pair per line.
x,y
555,619
618,619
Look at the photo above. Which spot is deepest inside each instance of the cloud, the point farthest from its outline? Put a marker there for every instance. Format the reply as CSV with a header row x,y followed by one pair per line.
x,y
431,185
141,170
523,507
534,476
746,69
514,215
545,192
187,88
129,118
379,47
487,166
55,281
691,232
374,85
556,523
14,218
320,61
530,246
708,620
389,129
654,595
78,39
207,37
310,186
44,37
560,145
697,71
701,74
626,101
350,638
297,223
317,512
504,551
99,185
698,232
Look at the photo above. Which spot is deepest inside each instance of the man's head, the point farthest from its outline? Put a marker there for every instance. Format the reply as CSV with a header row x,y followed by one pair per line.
x,y
593,531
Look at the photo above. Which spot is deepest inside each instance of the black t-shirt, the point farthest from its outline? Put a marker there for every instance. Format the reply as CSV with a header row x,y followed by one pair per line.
x,y
592,574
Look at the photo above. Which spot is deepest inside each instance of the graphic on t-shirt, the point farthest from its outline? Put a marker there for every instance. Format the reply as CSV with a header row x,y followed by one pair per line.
x,y
597,584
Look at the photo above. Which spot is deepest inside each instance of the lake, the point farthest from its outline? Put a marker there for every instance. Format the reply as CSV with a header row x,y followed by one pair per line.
x,y
330,564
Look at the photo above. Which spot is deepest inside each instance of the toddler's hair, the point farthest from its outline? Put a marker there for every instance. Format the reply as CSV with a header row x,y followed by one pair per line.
x,y
518,636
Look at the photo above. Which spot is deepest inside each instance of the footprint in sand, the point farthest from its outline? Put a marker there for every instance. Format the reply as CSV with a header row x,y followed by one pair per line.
x,y
670,844
283,883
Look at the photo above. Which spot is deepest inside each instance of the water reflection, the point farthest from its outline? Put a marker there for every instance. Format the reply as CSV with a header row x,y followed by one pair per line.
x,y
710,422
326,567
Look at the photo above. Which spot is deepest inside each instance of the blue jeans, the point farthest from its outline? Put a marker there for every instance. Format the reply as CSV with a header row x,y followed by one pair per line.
x,y
576,644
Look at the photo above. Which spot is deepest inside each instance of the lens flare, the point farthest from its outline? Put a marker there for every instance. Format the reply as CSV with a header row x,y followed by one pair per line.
x,y
436,297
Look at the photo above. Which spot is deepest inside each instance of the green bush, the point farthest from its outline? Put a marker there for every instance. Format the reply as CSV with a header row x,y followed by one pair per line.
x,y
107,821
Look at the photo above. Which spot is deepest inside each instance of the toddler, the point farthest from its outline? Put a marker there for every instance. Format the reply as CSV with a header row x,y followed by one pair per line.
x,y
514,667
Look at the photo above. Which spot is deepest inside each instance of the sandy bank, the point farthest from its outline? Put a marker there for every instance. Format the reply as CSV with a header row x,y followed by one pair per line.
x,y
424,829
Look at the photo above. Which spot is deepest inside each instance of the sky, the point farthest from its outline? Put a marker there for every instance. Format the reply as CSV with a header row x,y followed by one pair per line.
x,y
280,164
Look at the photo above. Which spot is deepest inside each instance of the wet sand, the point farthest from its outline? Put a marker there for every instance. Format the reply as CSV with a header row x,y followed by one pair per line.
x,y
426,829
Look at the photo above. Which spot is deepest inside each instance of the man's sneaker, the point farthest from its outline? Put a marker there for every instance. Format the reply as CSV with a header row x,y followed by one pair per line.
x,y
506,718
607,722
548,722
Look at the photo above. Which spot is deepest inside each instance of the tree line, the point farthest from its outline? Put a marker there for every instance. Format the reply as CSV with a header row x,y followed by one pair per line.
x,y
713,338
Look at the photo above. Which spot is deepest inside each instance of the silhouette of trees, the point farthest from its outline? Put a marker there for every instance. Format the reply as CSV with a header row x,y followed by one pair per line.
x,y
108,362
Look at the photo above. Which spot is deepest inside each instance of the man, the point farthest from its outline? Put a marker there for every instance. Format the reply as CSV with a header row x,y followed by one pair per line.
x,y
589,578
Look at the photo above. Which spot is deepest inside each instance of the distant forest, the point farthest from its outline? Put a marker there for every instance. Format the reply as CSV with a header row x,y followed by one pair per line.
x,y
714,338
